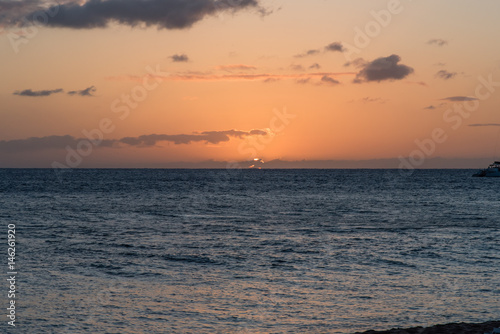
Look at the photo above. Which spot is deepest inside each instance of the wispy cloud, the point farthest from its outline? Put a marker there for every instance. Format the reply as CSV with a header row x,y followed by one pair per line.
x,y
459,98
437,41
372,100
201,77
41,93
419,83
235,67
84,92
332,47
303,81
384,68
445,75
368,99
38,93
308,53
296,67
329,80
179,58
315,66
357,63
61,142
433,107
485,124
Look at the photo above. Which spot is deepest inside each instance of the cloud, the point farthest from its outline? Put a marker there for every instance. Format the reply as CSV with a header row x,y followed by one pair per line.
x,y
420,83
384,68
303,81
332,47
212,137
368,99
308,53
335,47
297,67
179,58
358,63
437,41
61,142
459,98
37,143
11,11
206,77
328,80
84,92
432,107
372,100
315,66
232,67
164,14
6,5
485,124
443,74
29,92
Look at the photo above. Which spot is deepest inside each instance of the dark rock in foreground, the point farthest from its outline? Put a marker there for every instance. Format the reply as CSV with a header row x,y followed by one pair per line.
x,y
460,328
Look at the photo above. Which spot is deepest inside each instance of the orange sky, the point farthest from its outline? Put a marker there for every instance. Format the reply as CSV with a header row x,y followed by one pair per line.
x,y
415,66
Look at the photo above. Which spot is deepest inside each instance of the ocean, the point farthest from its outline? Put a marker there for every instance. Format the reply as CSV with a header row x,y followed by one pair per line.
x,y
249,251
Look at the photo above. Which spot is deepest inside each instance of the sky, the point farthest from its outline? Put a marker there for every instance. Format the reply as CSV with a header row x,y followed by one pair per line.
x,y
153,83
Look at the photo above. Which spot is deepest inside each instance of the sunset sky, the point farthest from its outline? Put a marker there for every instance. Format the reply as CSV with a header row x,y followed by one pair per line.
x,y
152,82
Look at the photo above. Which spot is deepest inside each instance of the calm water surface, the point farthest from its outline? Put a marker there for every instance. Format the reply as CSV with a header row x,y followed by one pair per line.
x,y
251,251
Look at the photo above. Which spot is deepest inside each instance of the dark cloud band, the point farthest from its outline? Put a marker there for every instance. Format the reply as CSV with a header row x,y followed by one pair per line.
x,y
167,14
38,93
41,93
485,124
61,142
459,98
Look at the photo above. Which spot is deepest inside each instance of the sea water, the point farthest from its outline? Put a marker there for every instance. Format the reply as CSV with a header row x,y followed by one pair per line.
x,y
249,251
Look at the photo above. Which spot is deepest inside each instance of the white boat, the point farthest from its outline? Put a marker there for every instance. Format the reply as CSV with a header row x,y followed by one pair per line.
x,y
493,170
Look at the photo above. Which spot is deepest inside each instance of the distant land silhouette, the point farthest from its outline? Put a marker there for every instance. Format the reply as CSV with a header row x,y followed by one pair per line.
x,y
394,163
431,163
